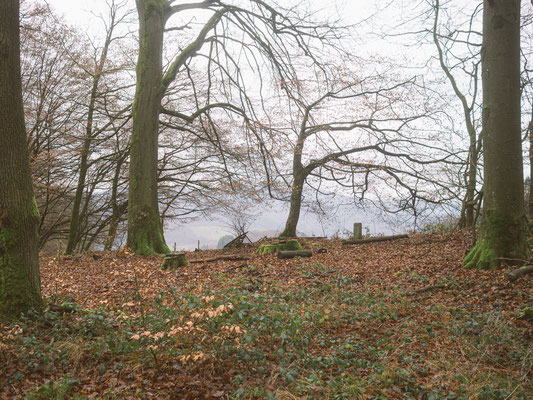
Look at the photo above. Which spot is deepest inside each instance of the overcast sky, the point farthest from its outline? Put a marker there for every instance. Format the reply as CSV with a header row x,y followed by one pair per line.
x,y
78,12
82,13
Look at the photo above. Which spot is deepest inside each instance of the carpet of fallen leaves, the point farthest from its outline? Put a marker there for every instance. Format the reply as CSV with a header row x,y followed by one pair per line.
x,y
420,280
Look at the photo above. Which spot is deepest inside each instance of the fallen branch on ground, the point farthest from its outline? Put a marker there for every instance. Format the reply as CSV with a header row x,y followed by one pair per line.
x,y
517,273
221,258
374,239
294,253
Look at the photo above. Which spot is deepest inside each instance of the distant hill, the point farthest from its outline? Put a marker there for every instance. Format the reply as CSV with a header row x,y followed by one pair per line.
x,y
270,223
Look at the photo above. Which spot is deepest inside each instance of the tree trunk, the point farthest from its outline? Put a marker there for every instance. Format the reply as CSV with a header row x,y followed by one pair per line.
x,y
20,287
295,204
73,234
503,233
145,231
299,174
118,209
469,203
375,239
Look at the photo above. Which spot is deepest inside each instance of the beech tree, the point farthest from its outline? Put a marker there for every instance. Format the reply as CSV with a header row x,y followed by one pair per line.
x,y
349,131
19,216
79,133
267,33
503,231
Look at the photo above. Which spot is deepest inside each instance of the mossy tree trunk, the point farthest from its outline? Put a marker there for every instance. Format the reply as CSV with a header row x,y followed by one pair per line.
x,y
503,233
145,231
19,217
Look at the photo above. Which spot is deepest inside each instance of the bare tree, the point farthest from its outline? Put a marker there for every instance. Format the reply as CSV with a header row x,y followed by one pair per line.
x,y
97,69
527,90
264,32
77,101
50,94
347,130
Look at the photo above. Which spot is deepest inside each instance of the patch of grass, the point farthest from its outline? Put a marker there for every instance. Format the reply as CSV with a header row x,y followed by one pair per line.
x,y
59,390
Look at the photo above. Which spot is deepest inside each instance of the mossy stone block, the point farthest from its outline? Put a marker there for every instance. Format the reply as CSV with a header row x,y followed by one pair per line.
x,y
174,261
528,314
292,244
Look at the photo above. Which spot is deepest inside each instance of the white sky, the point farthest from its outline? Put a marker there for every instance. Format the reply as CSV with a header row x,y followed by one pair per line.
x,y
81,13
78,12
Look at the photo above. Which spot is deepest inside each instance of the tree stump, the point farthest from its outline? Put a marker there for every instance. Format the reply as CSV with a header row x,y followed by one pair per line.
x,y
174,261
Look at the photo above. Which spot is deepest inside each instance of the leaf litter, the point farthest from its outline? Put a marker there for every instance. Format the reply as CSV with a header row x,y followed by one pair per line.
x,y
398,319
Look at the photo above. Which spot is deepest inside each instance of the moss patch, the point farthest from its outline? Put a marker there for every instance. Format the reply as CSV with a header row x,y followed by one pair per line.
x,y
482,256
275,247
174,261
528,314
145,233
502,240
32,210
17,291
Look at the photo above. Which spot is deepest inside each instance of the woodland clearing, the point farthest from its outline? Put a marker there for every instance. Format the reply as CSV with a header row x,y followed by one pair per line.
x,y
397,319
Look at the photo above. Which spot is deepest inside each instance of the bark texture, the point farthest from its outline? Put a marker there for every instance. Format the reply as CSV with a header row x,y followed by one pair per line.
x,y
503,233
145,231
20,287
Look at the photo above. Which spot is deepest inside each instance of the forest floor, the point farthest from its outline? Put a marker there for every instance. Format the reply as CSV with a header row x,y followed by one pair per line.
x,y
391,320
